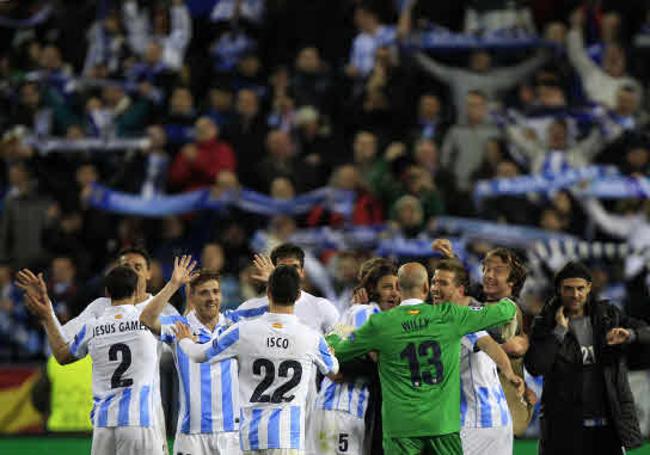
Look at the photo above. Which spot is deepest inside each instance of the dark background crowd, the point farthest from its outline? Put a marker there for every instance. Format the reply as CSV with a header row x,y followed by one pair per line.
x,y
287,96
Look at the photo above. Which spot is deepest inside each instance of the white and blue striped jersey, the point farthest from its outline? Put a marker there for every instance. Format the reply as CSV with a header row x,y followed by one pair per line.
x,y
348,396
276,356
316,312
125,366
482,400
208,392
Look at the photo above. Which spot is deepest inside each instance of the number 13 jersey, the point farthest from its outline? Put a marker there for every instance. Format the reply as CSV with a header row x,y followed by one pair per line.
x,y
276,356
124,367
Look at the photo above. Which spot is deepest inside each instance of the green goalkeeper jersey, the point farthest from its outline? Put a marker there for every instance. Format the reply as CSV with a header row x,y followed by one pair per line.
x,y
419,361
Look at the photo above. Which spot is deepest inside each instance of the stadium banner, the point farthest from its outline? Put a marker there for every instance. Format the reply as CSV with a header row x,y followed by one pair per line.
x,y
385,241
602,182
17,414
103,198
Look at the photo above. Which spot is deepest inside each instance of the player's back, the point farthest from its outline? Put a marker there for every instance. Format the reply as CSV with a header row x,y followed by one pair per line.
x,y
276,364
419,353
124,355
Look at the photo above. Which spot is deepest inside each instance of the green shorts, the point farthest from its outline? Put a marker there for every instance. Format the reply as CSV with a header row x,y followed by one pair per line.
x,y
446,444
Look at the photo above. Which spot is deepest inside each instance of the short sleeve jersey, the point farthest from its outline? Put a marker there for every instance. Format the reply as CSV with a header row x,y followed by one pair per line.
x,y
125,366
276,356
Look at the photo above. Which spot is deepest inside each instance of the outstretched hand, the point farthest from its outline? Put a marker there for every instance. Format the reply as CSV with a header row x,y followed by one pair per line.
x,y
183,331
36,298
263,268
444,247
183,270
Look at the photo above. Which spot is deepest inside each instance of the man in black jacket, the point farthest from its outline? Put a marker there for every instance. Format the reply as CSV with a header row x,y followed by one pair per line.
x,y
577,344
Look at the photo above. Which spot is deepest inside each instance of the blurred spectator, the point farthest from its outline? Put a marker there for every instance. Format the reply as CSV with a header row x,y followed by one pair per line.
x,y
366,211
170,27
63,288
278,162
181,115
25,217
282,188
21,339
220,106
407,216
372,35
250,11
555,155
600,84
465,143
343,267
247,134
144,171
311,84
107,46
42,110
429,124
479,76
197,165
364,149
128,115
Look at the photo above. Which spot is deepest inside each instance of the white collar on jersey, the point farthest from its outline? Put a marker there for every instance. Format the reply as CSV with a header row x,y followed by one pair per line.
x,y
408,302
280,316
112,309
194,320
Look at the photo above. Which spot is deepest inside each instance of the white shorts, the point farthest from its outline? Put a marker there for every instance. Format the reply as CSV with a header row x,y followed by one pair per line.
x,y
338,433
479,441
221,443
127,441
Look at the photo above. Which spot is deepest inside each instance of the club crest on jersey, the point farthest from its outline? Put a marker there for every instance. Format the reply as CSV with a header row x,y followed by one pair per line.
x,y
413,312
277,325
118,316
476,308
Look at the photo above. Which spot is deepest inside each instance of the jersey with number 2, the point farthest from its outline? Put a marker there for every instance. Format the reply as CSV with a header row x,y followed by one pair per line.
x,y
125,362
276,355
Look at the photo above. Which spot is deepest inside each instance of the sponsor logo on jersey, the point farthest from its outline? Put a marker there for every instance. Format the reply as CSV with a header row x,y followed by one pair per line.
x,y
413,312
118,316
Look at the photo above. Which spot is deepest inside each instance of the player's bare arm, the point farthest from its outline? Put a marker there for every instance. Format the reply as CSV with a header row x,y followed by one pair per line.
x,y
40,305
183,273
498,355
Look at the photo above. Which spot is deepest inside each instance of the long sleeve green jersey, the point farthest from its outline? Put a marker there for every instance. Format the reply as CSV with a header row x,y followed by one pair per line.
x,y
419,361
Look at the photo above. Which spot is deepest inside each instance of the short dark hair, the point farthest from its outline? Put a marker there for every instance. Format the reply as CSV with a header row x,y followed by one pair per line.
x,y
461,277
121,282
136,250
518,271
284,285
288,251
572,269
372,277
203,277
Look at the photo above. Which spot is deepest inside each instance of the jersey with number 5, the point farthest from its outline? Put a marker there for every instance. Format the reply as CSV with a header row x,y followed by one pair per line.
x,y
277,355
419,361
125,362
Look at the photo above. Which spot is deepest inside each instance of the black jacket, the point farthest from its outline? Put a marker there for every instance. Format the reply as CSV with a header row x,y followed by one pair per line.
x,y
561,365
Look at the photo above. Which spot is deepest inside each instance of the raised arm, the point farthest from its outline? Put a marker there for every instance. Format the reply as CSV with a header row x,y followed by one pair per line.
x,y
576,48
469,320
40,305
360,342
182,274
435,69
615,225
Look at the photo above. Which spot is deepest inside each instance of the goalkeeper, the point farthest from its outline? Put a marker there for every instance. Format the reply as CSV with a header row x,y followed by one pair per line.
x,y
418,346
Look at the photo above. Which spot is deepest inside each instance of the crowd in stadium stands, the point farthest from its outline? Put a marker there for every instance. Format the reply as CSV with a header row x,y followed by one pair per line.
x,y
404,102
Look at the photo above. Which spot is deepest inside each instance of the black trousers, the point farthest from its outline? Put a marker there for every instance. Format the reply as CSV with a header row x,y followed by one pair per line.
x,y
601,441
